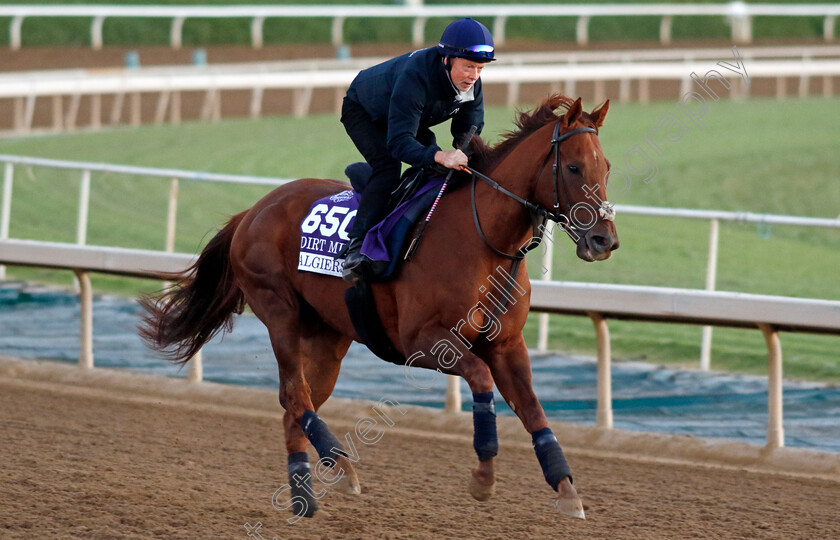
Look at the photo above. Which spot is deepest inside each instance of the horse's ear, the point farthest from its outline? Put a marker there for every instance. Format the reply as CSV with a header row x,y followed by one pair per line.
x,y
575,110
599,114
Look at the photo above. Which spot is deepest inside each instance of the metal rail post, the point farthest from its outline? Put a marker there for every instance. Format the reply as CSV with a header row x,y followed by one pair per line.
x,y
6,209
499,30
96,32
86,318
84,204
176,31
453,394
665,30
711,276
171,215
195,369
547,259
257,32
171,220
337,32
418,31
15,32
828,27
775,428
603,414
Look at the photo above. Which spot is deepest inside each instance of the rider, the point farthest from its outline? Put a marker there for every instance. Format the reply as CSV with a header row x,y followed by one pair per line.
x,y
388,111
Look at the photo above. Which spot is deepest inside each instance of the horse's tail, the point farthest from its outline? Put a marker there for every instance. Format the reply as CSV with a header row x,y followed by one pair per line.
x,y
202,302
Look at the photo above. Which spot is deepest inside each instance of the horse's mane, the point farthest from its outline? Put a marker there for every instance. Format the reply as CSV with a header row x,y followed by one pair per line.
x,y
485,157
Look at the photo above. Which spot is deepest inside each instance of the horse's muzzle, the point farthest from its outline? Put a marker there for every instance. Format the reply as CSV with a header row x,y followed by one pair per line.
x,y
598,243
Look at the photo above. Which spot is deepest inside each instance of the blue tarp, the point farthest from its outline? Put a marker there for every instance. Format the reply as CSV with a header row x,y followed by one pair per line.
x,y
646,397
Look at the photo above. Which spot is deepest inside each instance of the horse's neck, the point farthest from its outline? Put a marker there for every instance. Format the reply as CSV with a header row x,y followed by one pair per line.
x,y
506,222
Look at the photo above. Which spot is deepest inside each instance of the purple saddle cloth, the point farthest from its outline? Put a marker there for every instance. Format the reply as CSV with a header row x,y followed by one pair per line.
x,y
324,231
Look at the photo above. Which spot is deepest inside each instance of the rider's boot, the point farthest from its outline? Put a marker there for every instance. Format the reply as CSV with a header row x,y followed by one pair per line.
x,y
356,265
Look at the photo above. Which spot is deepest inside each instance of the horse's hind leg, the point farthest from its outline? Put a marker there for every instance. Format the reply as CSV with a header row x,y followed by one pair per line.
x,y
318,360
278,307
321,351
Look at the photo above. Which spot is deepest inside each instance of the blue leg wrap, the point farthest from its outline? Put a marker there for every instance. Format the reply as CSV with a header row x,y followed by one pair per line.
x,y
553,462
485,441
319,435
299,465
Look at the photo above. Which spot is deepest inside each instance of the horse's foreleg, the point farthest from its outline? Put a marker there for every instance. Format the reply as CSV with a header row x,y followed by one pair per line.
x,y
511,369
486,444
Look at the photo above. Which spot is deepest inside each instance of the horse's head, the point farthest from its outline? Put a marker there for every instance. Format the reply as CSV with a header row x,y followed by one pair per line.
x,y
557,162
572,181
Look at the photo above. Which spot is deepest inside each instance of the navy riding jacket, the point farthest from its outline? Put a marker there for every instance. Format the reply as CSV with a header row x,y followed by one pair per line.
x,y
411,93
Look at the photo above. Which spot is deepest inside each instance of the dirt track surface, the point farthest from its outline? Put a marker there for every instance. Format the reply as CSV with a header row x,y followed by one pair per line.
x,y
83,457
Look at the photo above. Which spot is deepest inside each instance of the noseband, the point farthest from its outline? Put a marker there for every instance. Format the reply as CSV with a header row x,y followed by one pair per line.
x,y
539,213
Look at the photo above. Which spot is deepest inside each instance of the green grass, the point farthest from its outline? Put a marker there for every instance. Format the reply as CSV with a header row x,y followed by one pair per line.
x,y
152,31
757,156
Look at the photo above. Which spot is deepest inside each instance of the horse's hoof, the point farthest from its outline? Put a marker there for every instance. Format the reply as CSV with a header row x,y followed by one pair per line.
x,y
479,491
349,482
568,502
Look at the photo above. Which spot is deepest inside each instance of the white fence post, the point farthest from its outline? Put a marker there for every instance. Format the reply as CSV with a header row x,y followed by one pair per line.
x,y
499,30
96,32
14,32
338,31
775,428
176,32
6,209
418,30
84,204
828,27
195,369
711,276
603,413
257,32
582,30
86,318
171,215
453,394
665,30
547,259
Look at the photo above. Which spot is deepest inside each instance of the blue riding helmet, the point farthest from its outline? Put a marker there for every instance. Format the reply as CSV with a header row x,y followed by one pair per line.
x,y
467,38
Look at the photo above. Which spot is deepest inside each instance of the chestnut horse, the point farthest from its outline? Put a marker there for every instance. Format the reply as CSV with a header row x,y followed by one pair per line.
x,y
551,166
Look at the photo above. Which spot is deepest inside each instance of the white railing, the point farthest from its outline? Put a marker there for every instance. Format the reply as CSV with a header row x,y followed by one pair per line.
x,y
738,14
597,301
25,89
175,176
714,217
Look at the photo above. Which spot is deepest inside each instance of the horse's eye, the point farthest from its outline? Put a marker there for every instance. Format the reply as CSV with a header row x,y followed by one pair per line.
x,y
573,169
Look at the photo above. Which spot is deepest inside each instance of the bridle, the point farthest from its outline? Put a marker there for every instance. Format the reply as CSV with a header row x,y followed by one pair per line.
x,y
539,214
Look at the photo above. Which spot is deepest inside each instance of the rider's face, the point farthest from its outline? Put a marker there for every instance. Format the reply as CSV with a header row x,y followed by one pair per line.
x,y
464,73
